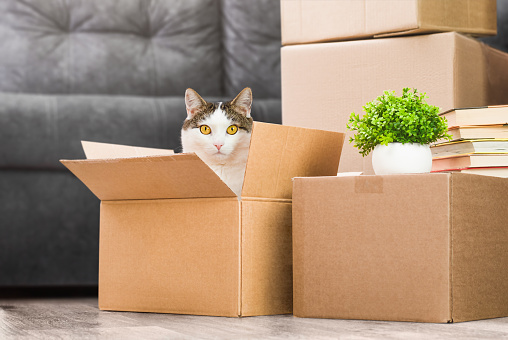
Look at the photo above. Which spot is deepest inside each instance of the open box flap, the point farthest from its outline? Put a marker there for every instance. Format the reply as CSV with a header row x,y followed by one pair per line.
x,y
153,177
278,153
94,150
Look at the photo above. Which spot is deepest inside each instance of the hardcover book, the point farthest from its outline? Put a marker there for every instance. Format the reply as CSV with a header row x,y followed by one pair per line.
x,y
483,146
479,132
487,115
469,161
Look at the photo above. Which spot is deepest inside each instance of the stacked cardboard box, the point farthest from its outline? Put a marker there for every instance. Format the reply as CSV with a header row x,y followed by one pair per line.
x,y
479,142
429,247
322,83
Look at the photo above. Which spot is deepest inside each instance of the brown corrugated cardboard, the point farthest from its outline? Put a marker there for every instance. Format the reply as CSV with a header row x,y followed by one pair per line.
x,y
152,177
94,150
309,21
479,239
279,155
178,255
175,239
323,83
266,257
426,247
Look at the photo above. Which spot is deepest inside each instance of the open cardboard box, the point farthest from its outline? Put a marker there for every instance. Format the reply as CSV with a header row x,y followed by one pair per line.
x,y
175,239
308,21
420,247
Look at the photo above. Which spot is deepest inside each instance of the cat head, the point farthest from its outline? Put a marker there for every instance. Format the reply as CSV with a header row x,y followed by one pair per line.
x,y
217,131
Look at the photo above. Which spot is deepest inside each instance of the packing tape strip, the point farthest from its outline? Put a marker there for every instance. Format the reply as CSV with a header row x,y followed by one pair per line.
x,y
369,185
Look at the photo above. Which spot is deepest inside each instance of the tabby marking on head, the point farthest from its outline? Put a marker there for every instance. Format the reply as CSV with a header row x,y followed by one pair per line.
x,y
219,133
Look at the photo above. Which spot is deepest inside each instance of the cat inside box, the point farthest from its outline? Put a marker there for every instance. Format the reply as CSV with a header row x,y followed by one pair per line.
x,y
219,133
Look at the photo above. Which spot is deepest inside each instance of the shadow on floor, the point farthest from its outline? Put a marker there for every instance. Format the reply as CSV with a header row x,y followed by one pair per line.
x,y
48,292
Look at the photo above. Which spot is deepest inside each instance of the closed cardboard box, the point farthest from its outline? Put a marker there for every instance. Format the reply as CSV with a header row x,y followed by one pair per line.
x,y
175,239
323,83
309,21
426,248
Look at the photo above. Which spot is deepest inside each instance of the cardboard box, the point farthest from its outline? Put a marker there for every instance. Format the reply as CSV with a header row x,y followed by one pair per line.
x,y
175,239
426,247
323,83
309,21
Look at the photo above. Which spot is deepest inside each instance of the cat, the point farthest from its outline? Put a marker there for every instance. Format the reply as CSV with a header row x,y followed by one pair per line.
x,y
219,133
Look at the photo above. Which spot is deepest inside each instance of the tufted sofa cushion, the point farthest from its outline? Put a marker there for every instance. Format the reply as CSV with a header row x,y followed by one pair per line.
x,y
252,47
129,47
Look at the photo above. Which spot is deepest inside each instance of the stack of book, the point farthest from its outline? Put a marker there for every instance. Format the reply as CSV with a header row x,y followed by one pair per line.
x,y
479,142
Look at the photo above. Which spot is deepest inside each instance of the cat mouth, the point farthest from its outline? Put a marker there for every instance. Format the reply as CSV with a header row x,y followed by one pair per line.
x,y
219,153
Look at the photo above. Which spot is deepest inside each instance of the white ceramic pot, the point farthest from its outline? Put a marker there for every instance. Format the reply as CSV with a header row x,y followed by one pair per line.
x,y
398,158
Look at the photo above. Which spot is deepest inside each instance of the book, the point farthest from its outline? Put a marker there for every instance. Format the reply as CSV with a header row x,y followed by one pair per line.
x,y
488,146
469,161
488,115
487,171
479,132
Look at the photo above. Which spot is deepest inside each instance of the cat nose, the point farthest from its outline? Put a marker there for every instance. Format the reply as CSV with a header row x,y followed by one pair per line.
x,y
218,146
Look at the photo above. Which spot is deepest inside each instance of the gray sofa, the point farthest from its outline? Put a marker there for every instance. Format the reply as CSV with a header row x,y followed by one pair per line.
x,y
110,71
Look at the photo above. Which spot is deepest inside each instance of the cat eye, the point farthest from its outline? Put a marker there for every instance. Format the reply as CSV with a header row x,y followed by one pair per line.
x,y
205,129
232,129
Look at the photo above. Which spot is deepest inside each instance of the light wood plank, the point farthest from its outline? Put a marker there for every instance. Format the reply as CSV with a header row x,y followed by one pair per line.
x,y
79,318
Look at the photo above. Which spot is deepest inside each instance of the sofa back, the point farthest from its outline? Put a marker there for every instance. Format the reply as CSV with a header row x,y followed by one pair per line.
x,y
139,47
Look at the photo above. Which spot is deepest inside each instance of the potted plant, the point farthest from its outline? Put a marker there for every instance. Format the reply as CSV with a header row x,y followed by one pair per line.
x,y
399,130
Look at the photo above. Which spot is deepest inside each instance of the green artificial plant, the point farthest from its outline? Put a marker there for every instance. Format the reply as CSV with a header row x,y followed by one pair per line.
x,y
404,119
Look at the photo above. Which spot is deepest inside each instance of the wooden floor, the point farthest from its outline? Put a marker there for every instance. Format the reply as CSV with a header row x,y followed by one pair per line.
x,y
79,318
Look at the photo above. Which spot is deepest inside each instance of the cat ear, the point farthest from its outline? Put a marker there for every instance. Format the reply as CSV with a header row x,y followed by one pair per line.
x,y
193,102
243,101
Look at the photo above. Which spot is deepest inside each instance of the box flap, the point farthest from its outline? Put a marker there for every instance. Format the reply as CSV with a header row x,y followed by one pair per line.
x,y
414,31
153,177
279,153
94,150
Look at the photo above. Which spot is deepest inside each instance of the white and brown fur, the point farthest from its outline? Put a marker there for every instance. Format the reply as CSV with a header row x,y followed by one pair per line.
x,y
223,153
